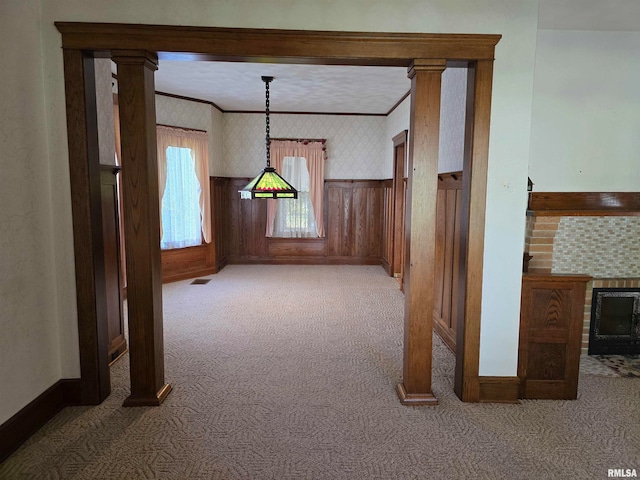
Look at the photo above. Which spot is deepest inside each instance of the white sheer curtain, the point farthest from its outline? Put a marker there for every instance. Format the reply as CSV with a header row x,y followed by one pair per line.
x,y
314,153
180,206
189,149
295,218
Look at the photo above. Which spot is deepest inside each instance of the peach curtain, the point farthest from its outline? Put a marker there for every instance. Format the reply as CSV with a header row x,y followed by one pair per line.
x,y
197,142
314,153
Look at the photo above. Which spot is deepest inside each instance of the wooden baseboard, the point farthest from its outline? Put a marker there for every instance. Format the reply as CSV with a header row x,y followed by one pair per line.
x,y
15,431
499,389
221,263
304,260
193,274
387,266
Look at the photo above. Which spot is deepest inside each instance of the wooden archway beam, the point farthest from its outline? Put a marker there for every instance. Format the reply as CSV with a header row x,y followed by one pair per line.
x,y
277,46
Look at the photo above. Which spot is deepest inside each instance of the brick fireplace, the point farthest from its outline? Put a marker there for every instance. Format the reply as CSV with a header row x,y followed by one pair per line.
x,y
604,245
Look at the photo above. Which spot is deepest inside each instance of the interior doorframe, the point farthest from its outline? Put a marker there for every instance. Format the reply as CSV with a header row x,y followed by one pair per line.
x,y
397,262
82,41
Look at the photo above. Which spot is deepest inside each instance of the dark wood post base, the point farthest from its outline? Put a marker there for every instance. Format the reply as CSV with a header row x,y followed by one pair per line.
x,y
142,401
415,399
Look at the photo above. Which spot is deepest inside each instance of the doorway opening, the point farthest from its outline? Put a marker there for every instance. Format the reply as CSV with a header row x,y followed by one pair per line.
x,y
136,49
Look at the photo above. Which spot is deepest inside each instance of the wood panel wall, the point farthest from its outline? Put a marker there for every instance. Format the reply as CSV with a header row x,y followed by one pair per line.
x,y
446,316
387,227
112,260
354,216
551,317
354,219
584,203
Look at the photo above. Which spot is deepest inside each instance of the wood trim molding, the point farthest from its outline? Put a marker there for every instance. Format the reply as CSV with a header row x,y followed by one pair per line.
x,y
450,181
190,274
400,138
15,431
285,112
287,46
283,46
190,99
585,203
398,103
499,389
86,208
353,183
304,260
474,192
221,110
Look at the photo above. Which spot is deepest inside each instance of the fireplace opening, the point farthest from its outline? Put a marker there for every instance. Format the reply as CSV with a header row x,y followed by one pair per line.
x,y
615,321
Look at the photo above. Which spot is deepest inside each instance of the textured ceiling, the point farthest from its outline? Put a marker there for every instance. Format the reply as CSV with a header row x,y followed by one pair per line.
x,y
296,88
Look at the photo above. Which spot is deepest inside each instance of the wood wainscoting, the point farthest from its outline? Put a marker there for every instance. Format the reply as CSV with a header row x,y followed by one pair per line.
x,y
590,204
448,220
551,317
182,263
354,216
388,227
112,260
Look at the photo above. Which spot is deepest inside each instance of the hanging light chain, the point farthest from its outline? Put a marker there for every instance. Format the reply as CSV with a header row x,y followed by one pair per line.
x,y
268,139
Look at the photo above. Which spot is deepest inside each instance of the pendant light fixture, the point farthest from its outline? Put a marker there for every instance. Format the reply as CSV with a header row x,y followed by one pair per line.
x,y
268,184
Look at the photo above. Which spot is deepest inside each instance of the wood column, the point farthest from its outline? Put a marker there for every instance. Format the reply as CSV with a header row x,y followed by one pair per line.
x,y
142,226
420,227
474,192
84,175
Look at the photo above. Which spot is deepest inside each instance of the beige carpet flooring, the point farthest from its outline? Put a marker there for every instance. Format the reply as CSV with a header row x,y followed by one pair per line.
x,y
288,372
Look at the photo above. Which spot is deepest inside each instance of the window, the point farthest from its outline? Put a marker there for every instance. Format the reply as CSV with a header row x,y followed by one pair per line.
x,y
180,209
301,163
183,180
295,218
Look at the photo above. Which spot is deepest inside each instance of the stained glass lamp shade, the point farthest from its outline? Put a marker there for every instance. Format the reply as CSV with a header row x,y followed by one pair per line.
x,y
268,184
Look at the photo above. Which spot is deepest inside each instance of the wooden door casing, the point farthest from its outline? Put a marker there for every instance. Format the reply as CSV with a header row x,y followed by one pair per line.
x,y
399,205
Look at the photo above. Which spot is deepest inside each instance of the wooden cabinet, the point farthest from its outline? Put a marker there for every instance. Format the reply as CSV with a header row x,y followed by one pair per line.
x,y
551,317
112,260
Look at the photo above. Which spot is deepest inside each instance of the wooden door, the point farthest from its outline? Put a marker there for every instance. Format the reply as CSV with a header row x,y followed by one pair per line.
x,y
399,200
551,318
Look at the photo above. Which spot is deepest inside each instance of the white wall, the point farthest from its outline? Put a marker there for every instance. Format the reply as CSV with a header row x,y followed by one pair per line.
x,y
585,132
216,159
41,230
453,104
104,102
396,122
29,344
452,121
355,144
